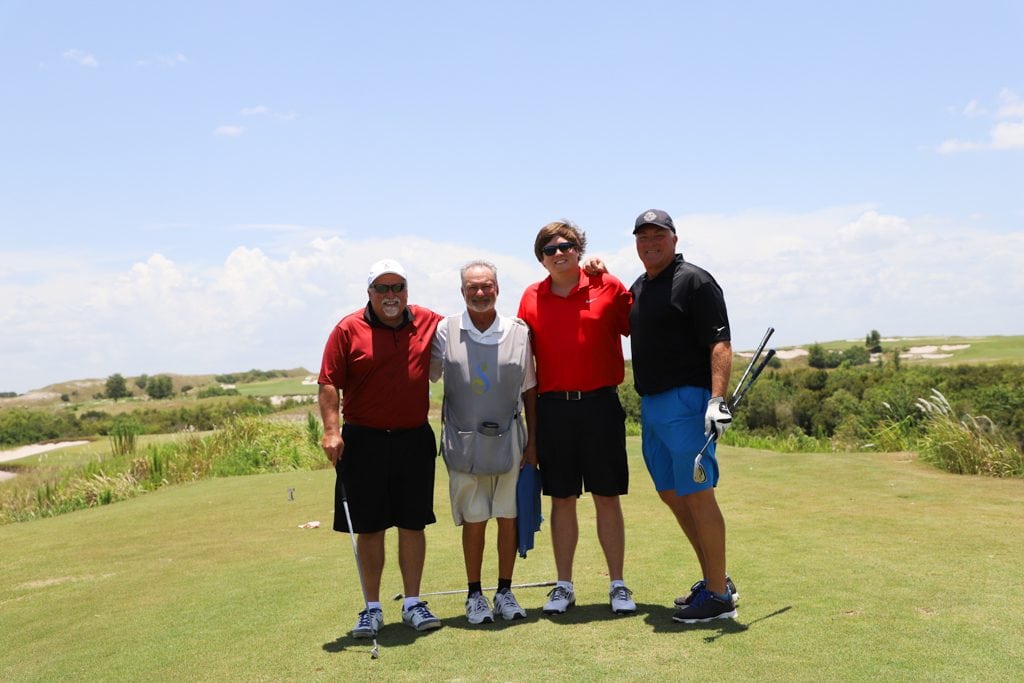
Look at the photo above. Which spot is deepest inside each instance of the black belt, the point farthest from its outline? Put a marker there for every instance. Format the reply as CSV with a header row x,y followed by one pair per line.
x,y
575,395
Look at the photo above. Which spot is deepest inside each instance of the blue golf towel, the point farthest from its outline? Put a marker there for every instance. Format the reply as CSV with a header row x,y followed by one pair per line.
x,y
528,507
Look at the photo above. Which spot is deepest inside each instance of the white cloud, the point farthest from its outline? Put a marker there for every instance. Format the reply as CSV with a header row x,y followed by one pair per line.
x,y
262,110
1008,135
1004,134
973,110
172,60
81,58
1010,105
228,131
831,274
954,146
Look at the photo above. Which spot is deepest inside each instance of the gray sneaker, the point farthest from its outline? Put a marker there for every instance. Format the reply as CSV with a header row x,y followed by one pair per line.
x,y
478,610
420,618
368,624
560,600
508,607
622,600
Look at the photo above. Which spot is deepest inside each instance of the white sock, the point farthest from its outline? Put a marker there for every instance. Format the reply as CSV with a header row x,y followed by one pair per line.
x,y
618,582
410,601
565,584
374,605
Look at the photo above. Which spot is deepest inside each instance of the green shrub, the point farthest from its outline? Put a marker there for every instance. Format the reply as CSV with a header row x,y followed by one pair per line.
x,y
123,436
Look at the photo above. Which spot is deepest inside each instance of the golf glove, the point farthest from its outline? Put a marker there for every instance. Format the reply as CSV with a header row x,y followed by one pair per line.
x,y
717,417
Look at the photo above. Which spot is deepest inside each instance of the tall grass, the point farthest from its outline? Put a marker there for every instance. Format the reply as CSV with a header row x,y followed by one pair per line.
x,y
314,430
246,445
124,434
965,445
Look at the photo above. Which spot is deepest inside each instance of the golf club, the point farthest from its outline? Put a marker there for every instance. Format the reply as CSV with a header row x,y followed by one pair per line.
x,y
355,550
399,596
737,395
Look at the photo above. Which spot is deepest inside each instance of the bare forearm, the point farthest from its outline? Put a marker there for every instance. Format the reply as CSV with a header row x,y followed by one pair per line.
x,y
721,367
329,405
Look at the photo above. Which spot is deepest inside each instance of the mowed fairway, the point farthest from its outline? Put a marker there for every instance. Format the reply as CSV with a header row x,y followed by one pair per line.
x,y
850,567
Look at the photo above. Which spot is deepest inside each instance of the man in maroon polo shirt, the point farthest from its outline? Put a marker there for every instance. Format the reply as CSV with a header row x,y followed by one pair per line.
x,y
577,321
379,360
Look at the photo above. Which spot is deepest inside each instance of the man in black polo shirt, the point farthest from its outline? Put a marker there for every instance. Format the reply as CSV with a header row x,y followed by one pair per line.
x,y
682,357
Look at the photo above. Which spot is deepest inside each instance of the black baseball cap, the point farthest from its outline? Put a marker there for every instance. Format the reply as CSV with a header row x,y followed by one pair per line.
x,y
657,218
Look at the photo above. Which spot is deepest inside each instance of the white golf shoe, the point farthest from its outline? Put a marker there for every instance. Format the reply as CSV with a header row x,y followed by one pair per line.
x,y
508,607
561,599
368,624
478,610
622,600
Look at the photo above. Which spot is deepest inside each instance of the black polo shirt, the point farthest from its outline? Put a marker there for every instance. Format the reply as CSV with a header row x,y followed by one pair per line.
x,y
674,320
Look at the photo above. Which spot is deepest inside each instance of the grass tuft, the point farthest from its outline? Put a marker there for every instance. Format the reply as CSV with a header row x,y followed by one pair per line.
x,y
965,445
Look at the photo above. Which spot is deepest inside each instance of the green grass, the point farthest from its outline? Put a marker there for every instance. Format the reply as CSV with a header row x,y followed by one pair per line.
x,y
981,350
851,567
283,386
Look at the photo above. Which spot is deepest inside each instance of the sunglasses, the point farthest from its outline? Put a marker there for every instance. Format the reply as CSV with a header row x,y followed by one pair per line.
x,y
384,289
563,247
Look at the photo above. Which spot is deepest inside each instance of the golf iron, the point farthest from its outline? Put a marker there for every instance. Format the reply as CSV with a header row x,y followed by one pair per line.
x,y
737,395
399,596
374,653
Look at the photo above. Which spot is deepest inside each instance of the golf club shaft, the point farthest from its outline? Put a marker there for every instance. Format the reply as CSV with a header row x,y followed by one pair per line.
x,y
740,389
359,568
753,359
736,399
399,596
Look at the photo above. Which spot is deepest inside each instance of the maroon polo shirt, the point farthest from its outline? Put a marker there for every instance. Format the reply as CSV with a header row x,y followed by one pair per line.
x,y
382,372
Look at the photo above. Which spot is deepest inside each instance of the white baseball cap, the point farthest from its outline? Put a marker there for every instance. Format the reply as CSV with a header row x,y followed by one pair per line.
x,y
385,266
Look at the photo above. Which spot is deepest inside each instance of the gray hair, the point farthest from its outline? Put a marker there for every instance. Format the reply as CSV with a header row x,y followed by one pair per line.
x,y
479,263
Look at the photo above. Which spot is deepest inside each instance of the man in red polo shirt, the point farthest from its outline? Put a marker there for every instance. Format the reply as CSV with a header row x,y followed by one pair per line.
x,y
379,360
577,321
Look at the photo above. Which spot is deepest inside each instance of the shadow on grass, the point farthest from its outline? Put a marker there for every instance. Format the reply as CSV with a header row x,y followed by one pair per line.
x,y
660,618
391,635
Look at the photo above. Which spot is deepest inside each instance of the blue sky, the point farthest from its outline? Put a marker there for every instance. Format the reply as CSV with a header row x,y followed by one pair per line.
x,y
200,187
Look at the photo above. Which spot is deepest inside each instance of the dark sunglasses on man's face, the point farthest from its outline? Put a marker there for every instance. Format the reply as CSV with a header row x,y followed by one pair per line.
x,y
563,247
384,289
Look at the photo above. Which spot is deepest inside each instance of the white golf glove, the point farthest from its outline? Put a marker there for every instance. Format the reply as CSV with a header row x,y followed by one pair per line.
x,y
717,417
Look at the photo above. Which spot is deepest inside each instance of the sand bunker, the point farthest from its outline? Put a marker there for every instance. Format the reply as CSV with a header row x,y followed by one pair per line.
x,y
36,449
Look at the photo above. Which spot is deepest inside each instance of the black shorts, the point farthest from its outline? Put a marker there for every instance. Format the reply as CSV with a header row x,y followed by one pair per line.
x,y
582,444
389,479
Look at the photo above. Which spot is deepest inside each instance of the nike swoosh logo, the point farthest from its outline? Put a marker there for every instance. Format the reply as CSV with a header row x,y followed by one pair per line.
x,y
720,328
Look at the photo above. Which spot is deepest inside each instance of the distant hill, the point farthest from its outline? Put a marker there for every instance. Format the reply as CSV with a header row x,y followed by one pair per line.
x,y
248,382
927,350
932,350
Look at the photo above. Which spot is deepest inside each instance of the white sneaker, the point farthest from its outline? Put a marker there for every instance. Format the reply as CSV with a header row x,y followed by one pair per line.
x,y
561,599
369,623
622,600
420,618
478,610
508,607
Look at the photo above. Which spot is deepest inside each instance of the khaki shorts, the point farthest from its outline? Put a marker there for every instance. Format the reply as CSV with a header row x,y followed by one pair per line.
x,y
478,498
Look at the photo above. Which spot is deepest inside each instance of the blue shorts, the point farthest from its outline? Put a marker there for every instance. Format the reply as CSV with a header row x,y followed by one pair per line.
x,y
673,433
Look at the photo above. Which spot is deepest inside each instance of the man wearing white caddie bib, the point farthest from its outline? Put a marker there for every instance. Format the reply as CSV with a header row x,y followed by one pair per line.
x,y
489,387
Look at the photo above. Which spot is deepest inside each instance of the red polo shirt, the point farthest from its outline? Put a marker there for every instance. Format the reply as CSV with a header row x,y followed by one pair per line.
x,y
382,372
577,338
